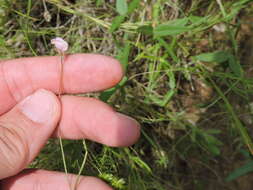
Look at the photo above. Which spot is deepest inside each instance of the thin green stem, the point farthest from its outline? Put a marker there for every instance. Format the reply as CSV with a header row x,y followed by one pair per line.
x,y
63,155
241,128
83,164
60,91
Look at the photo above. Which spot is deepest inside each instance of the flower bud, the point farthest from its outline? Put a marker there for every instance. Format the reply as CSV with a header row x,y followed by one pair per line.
x,y
60,44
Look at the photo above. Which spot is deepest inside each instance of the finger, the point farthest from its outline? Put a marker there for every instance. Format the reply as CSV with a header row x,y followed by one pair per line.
x,y
92,119
82,73
25,129
45,180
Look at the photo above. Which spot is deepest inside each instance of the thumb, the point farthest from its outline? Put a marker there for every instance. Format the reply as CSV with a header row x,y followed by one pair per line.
x,y
25,129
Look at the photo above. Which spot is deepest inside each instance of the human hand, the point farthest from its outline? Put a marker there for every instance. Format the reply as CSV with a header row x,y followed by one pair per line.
x,y
29,115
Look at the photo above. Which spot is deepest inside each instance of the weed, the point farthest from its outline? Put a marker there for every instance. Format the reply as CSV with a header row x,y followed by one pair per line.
x,y
186,81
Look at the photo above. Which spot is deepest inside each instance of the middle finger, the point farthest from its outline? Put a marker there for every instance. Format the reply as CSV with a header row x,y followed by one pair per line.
x,y
92,119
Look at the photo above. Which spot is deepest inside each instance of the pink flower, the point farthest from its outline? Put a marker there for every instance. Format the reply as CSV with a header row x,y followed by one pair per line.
x,y
60,44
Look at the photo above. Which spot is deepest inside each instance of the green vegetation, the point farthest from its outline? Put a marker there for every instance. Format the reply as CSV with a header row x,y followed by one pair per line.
x,y
189,82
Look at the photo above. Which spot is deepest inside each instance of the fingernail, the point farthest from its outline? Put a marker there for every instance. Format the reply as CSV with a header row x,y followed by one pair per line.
x,y
128,120
39,107
129,129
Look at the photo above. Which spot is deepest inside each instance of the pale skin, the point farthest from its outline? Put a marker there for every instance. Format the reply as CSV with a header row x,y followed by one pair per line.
x,y
23,134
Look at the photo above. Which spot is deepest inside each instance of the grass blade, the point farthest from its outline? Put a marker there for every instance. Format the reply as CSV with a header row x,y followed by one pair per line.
x,y
117,22
242,130
246,168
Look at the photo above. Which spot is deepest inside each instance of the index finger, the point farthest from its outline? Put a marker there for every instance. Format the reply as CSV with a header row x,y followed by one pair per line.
x,y
81,73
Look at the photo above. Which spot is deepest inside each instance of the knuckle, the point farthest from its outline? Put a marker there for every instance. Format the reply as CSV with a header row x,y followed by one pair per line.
x,y
14,152
14,78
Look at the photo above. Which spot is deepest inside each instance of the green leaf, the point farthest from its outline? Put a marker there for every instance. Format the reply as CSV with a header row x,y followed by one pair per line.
x,y
196,20
235,66
147,30
213,149
245,153
172,28
246,168
237,122
99,3
117,22
218,57
242,2
167,30
166,98
104,96
141,163
121,7
212,143
212,140
213,131
123,55
2,40
179,22
170,48
133,5
170,93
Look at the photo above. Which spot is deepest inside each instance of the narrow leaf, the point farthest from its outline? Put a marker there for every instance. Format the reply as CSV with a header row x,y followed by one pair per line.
x,y
218,57
117,22
235,66
123,55
141,164
172,28
147,30
105,96
248,167
213,149
167,30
